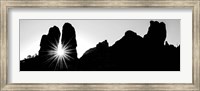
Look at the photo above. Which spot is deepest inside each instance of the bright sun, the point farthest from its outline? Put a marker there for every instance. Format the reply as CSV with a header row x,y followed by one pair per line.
x,y
60,54
60,51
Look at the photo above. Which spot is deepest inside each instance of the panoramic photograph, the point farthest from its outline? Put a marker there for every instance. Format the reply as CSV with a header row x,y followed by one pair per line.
x,y
99,44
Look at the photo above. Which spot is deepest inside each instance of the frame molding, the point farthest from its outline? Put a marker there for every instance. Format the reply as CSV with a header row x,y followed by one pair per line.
x,y
6,4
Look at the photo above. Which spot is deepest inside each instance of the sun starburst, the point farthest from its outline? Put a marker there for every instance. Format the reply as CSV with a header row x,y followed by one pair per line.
x,y
60,51
60,54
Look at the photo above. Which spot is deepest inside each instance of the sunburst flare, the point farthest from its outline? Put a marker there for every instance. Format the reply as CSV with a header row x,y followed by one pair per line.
x,y
60,54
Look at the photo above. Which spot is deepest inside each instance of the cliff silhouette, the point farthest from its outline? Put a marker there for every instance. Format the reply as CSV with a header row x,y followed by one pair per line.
x,y
131,53
46,60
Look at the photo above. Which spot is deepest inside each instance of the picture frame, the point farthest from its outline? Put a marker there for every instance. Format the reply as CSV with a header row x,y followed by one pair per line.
x,y
6,4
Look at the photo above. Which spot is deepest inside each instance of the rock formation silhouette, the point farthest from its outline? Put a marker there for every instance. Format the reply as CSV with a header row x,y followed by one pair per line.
x,y
157,33
46,60
131,53
69,39
134,53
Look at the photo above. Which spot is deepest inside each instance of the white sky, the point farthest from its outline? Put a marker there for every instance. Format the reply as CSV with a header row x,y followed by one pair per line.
x,y
90,32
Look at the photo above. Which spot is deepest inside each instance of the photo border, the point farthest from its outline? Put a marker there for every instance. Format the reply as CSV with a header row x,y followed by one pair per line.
x,y
6,4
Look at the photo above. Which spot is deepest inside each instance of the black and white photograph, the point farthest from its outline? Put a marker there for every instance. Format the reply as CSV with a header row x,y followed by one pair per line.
x,y
99,44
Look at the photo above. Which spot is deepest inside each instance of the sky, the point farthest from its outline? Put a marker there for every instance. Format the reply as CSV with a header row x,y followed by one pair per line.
x,y
90,32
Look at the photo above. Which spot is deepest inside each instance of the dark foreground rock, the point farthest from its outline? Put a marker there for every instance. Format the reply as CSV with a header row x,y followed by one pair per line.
x,y
134,53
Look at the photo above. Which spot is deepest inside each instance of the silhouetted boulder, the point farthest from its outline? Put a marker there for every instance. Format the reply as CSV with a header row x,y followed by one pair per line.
x,y
156,33
48,44
95,58
50,40
102,45
69,40
69,43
